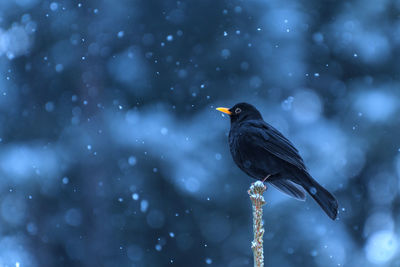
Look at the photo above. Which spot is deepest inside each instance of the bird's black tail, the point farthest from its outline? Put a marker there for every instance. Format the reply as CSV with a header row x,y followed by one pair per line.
x,y
325,199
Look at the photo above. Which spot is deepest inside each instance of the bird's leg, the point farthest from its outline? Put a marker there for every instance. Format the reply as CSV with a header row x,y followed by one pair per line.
x,y
266,178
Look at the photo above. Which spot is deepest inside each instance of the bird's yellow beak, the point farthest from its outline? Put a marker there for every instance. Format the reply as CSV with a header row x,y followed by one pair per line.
x,y
224,110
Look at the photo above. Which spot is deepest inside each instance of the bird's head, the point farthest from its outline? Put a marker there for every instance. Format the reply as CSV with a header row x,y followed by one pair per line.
x,y
241,112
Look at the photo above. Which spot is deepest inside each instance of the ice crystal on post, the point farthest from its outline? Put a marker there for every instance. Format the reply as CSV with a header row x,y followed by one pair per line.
x,y
256,196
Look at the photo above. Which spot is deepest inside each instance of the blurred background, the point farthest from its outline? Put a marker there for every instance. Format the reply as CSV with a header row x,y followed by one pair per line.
x,y
112,153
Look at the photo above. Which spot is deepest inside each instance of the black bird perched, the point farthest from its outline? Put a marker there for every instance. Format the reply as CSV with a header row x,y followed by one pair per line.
x,y
265,154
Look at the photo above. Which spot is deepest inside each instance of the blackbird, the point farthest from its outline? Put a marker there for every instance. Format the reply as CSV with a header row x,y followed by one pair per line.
x,y
265,154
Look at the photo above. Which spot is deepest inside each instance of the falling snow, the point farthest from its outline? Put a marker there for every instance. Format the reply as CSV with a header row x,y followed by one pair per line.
x,y
111,151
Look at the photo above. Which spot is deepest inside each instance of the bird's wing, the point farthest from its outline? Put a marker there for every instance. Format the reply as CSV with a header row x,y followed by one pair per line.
x,y
275,143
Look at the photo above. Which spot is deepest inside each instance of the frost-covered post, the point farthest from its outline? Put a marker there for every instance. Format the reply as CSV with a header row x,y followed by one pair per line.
x,y
256,196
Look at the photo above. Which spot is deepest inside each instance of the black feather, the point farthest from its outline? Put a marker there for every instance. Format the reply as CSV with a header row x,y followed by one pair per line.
x,y
261,151
290,189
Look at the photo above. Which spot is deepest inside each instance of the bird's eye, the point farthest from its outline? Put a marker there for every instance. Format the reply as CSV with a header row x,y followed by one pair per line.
x,y
238,110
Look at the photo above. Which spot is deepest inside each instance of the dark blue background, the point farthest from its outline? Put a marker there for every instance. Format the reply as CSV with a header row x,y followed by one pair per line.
x,y
112,153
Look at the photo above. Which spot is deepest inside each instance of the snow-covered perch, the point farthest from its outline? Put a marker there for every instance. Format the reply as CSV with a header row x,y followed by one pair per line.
x,y
256,196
